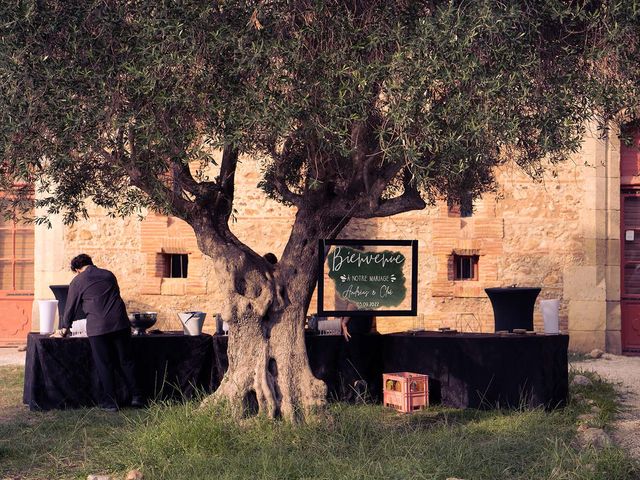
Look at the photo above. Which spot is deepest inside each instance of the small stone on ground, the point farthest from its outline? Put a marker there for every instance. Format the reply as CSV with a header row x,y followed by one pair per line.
x,y
596,353
580,380
593,437
134,475
586,417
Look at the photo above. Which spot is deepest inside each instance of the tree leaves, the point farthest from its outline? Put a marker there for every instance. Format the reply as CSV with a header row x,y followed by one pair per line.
x,y
93,92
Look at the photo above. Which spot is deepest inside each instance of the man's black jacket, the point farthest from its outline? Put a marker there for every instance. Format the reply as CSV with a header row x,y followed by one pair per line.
x,y
96,291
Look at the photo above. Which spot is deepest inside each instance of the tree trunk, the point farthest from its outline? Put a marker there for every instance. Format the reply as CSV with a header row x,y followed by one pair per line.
x,y
269,370
268,367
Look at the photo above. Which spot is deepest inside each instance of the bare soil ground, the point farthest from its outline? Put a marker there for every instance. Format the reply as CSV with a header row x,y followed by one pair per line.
x,y
11,356
625,373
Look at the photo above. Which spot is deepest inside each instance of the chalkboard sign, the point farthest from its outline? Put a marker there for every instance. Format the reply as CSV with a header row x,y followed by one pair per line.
x,y
368,277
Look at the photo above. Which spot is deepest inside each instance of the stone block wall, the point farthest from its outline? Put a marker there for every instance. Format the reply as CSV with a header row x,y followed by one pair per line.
x,y
561,234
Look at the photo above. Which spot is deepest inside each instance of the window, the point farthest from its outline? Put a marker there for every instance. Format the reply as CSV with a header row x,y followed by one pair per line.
x,y
465,267
17,246
466,205
462,209
176,265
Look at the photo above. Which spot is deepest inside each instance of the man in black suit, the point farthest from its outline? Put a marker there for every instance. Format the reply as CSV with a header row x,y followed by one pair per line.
x,y
96,291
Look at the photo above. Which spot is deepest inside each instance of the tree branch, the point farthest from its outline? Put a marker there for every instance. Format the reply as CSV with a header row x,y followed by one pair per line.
x,y
366,151
279,179
222,206
389,172
409,200
360,150
155,189
285,192
183,180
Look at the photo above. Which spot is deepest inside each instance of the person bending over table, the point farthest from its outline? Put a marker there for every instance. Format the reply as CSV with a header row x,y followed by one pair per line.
x,y
96,291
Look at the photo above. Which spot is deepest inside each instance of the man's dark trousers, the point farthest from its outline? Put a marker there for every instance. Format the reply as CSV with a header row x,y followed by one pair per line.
x,y
110,352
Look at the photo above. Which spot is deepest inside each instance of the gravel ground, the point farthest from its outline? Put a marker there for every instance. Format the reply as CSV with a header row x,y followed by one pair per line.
x,y
11,356
625,372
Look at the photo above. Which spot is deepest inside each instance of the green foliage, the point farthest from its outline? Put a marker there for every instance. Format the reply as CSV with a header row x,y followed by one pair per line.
x,y
336,97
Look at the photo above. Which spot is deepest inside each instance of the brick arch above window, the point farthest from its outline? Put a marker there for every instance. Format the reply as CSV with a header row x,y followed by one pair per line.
x,y
466,251
163,237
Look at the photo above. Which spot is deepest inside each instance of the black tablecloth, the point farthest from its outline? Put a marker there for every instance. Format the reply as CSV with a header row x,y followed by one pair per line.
x,y
484,370
59,372
352,370
465,370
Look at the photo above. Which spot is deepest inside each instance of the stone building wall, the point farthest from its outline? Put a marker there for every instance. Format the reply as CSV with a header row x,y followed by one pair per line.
x,y
561,234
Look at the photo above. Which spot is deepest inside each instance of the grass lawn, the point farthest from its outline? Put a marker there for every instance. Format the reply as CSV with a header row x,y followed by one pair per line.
x,y
348,442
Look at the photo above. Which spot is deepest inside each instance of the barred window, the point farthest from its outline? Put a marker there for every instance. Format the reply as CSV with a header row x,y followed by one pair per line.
x,y
176,265
465,267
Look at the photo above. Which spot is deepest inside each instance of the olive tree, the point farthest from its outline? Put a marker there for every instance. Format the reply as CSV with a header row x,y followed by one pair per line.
x,y
355,108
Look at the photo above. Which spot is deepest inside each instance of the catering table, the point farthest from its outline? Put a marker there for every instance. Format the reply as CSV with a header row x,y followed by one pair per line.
x,y
352,370
484,370
465,369
59,372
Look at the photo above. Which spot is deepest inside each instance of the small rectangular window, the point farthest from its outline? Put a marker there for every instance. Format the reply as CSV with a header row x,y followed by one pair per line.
x,y
466,267
176,265
466,205
453,209
463,208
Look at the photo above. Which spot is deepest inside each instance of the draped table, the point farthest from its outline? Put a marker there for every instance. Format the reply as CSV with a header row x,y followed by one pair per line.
x,y
476,370
59,372
465,370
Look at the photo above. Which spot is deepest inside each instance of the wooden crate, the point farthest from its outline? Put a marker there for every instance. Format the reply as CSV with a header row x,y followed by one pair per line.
x,y
405,391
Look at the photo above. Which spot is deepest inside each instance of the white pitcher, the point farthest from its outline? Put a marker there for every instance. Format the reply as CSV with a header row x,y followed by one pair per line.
x,y
47,315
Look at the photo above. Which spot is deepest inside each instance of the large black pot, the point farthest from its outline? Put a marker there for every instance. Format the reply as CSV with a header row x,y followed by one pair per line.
x,y
513,307
61,292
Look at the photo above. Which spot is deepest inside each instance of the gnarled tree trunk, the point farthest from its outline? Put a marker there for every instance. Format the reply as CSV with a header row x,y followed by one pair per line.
x,y
268,365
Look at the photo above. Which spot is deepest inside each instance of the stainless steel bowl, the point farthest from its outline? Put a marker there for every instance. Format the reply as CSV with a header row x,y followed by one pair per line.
x,y
141,321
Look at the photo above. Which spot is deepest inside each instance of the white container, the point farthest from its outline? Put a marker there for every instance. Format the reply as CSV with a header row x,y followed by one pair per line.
x,y
550,315
330,327
222,327
192,322
47,315
79,328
